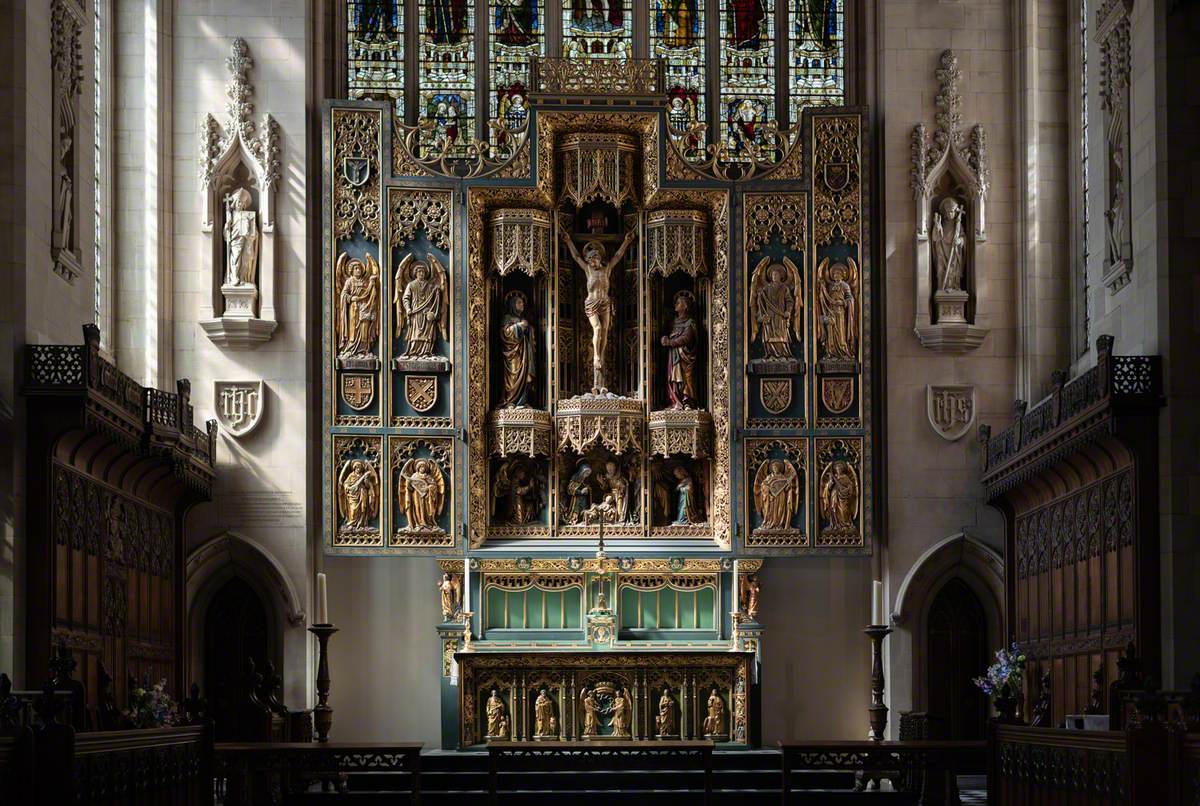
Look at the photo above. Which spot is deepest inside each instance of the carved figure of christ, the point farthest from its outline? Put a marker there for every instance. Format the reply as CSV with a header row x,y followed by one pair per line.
x,y
598,305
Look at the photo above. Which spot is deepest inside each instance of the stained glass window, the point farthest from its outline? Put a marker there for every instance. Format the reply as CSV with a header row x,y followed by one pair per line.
x,y
816,55
447,75
517,29
747,73
375,50
677,37
597,28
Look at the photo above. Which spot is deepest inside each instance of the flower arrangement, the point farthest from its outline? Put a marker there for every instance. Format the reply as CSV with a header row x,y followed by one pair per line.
x,y
152,707
1002,683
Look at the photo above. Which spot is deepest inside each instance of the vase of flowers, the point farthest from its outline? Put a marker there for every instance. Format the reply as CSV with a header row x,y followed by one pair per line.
x,y
152,707
1002,683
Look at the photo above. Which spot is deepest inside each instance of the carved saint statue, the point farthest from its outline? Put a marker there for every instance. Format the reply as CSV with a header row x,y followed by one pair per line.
x,y
65,214
422,308
688,509
748,594
546,723
450,594
714,722
518,485
241,233
778,309
518,347
358,493
579,493
681,344
839,496
357,319
591,708
837,309
598,305
615,483
948,243
776,493
422,493
621,713
666,721
497,717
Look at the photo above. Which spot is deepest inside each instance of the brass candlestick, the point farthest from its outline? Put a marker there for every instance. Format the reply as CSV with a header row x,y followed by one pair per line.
x,y
878,711
323,712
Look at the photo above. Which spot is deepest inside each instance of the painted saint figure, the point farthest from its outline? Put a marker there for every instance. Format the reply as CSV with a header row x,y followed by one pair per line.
x,y
377,16
579,493
446,21
776,493
516,22
358,493
714,722
497,717
746,18
450,595
546,724
614,482
688,509
837,309
357,320
777,315
666,721
620,714
517,483
422,493
676,22
839,497
681,344
518,347
422,309
590,713
948,243
241,233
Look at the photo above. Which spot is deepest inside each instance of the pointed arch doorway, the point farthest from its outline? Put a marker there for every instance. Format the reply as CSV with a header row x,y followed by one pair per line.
x,y
957,644
235,631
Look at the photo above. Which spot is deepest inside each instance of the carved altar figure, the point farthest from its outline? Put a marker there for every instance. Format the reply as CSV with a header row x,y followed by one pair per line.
x,y
422,309
66,183
620,713
598,305
518,345
749,596
590,708
522,490
614,482
241,233
776,493
775,294
357,319
497,717
546,724
450,594
681,354
714,723
839,496
666,721
579,493
358,493
948,243
422,493
837,309
688,509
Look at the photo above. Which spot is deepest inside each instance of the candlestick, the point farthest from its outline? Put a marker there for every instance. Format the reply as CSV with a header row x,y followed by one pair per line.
x,y
877,709
322,600
736,590
323,712
466,584
877,602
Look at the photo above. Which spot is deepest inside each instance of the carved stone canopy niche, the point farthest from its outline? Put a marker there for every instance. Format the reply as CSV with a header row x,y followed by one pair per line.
x,y
239,172
950,183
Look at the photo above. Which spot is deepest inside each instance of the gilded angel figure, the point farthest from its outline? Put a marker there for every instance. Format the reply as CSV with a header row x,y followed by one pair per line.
x,y
839,496
358,493
776,493
357,319
422,305
837,308
776,296
422,493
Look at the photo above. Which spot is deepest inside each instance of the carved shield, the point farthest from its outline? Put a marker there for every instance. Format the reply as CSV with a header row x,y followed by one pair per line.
x,y
239,405
358,390
837,394
421,392
951,410
837,176
356,170
776,394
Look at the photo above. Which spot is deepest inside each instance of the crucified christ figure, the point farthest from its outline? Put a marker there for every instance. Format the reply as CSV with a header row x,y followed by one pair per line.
x,y
598,305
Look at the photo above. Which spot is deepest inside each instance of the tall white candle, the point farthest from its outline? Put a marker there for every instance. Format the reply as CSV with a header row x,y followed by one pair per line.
x,y
466,585
737,602
877,602
322,600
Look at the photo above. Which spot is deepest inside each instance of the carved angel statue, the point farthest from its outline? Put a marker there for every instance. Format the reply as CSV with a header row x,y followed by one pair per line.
x,y
497,717
748,593
241,233
777,318
666,721
357,319
839,497
545,722
450,594
422,307
518,486
714,722
776,493
518,349
358,493
620,713
688,507
422,493
837,309
591,709
948,243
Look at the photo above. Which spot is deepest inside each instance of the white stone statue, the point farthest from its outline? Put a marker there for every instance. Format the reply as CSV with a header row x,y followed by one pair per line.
x,y
241,233
948,243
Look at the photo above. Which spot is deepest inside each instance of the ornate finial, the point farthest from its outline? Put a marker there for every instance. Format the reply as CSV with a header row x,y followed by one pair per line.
x,y
949,102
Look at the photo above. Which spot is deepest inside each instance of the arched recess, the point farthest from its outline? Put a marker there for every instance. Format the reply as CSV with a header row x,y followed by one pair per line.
x,y
213,564
981,569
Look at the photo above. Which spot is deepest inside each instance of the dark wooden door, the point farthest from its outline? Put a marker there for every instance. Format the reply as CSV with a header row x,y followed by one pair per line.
x,y
235,631
957,652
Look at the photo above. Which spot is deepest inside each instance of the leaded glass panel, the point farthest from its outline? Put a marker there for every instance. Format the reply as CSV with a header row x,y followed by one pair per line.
x,y
517,29
375,51
677,37
816,55
447,75
747,74
597,29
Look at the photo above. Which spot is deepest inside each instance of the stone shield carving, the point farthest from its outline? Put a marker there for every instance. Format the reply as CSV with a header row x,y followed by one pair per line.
x,y
421,392
239,405
358,390
776,394
951,410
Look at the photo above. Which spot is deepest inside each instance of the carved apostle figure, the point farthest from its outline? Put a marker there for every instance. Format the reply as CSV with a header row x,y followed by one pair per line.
x,y
422,493
778,310
518,485
948,243
579,493
614,482
620,714
837,312
497,717
241,233
714,722
591,708
422,309
450,594
65,214
666,721
546,723
357,319
748,594
688,508
518,348
839,496
358,493
598,305
681,344
776,493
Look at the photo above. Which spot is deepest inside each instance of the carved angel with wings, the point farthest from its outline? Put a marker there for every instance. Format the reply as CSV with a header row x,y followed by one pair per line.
x,y
357,319
776,493
837,308
839,497
777,298
358,493
421,493
422,307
